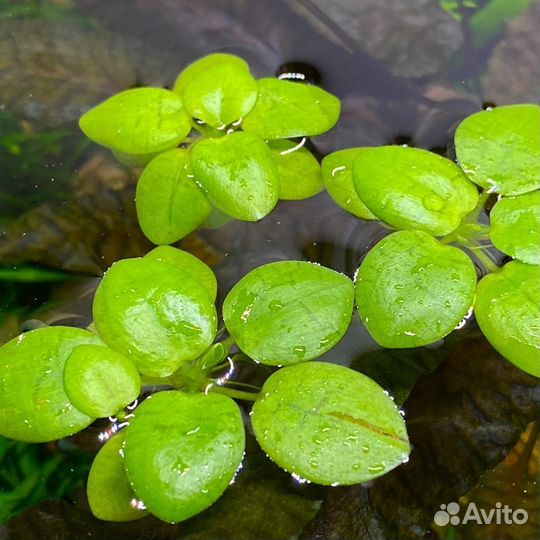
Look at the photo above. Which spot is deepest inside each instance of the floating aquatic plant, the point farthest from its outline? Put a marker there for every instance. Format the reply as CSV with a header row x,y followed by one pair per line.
x,y
155,320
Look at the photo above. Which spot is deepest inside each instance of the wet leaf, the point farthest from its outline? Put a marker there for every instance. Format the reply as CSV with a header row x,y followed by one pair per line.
x,y
138,121
288,312
263,502
237,174
100,381
337,170
462,420
515,227
299,172
182,450
412,290
134,160
109,493
286,109
34,406
188,263
169,203
329,424
202,65
155,314
507,309
411,188
217,89
499,148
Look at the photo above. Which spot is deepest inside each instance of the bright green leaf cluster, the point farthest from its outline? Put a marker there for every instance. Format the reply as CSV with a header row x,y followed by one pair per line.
x,y
155,319
238,157
413,288
57,380
180,448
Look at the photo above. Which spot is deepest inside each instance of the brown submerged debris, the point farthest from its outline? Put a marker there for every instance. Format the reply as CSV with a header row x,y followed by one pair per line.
x,y
514,483
95,226
412,39
52,72
462,421
513,70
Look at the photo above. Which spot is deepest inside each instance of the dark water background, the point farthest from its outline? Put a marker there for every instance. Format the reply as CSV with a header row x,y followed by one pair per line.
x,y
406,72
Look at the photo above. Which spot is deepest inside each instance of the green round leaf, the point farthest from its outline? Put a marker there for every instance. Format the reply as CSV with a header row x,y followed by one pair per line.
x,y
238,175
288,312
202,65
169,203
188,263
507,309
138,121
329,424
34,406
221,94
515,227
134,161
155,314
410,188
287,109
337,178
299,171
500,148
412,290
100,381
182,450
110,495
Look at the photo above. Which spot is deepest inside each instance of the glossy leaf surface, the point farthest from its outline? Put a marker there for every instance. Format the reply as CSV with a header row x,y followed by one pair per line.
x,y
182,450
337,170
169,203
329,424
515,227
220,93
410,188
238,175
188,263
299,171
110,495
202,65
499,148
155,314
34,406
138,121
507,309
412,290
286,109
100,381
289,312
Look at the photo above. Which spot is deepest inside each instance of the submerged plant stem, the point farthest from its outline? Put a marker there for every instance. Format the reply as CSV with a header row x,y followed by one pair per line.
x,y
232,393
485,259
